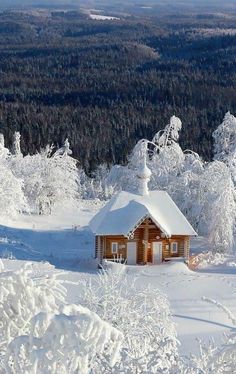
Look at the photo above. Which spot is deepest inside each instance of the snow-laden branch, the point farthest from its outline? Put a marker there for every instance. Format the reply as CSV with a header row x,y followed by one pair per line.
x,y
229,314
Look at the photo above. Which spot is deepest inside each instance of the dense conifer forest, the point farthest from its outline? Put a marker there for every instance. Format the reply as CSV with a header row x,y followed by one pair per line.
x,y
105,84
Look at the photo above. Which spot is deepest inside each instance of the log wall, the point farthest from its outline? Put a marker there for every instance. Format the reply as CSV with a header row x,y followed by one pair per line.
x,y
144,235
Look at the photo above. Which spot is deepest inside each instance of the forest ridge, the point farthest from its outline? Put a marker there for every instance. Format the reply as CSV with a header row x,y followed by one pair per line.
x,y
106,84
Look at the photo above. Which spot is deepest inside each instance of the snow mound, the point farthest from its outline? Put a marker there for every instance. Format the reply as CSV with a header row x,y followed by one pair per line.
x,y
115,267
175,267
178,267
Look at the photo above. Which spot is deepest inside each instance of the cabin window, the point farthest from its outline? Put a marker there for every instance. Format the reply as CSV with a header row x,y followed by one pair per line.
x,y
174,248
114,247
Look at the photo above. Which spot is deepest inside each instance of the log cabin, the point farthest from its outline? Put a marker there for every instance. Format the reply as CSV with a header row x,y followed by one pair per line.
x,y
145,227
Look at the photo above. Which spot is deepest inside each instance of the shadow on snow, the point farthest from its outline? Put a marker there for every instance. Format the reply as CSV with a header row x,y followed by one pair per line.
x,y
68,249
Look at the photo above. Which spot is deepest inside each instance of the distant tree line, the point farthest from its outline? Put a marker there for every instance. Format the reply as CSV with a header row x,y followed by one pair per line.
x,y
105,85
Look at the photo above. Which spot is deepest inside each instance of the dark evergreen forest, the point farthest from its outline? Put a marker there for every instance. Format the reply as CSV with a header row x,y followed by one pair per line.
x,y
106,84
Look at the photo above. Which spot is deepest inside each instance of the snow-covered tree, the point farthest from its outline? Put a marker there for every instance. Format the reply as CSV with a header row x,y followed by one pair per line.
x,y
142,314
60,179
64,150
4,152
225,143
12,199
48,178
100,185
218,207
30,170
170,135
16,148
168,159
185,187
131,178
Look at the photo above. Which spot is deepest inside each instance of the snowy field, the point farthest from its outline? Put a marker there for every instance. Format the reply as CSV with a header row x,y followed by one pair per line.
x,y
64,241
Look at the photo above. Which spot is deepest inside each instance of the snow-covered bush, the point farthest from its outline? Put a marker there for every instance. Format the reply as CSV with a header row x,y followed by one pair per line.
x,y
142,314
65,343
41,334
22,296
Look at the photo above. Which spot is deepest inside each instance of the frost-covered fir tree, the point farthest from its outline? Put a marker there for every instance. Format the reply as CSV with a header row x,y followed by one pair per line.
x,y
225,143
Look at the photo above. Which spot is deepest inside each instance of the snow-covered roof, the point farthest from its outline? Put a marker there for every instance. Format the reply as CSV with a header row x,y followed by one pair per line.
x,y
125,210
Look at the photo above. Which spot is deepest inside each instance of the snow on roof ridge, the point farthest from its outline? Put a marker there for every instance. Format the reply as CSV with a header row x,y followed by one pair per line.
x,y
122,213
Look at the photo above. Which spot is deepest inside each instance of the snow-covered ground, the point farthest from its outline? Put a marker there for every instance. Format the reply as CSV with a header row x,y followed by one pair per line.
x,y
65,241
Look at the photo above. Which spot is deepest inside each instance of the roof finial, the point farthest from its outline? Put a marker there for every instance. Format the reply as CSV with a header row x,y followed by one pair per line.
x,y
144,173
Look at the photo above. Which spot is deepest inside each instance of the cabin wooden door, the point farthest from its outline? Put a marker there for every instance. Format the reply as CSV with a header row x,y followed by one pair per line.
x,y
131,253
156,252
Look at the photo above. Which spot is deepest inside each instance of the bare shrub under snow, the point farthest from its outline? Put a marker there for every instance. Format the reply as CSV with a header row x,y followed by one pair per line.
x,y
142,314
